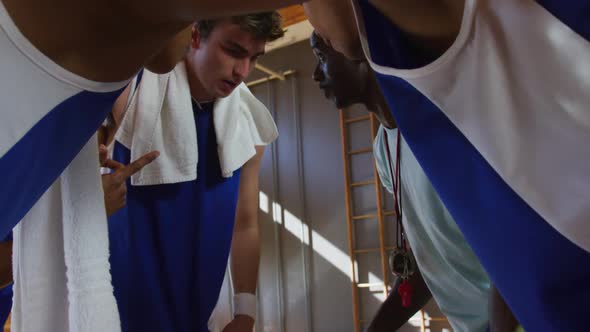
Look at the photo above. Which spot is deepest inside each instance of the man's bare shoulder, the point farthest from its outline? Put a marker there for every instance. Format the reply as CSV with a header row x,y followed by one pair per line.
x,y
432,24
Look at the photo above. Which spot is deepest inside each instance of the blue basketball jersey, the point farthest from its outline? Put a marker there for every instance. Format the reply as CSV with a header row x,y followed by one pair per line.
x,y
47,116
498,123
170,244
50,178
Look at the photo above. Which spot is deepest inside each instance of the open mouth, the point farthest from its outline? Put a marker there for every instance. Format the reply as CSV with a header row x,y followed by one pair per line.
x,y
228,85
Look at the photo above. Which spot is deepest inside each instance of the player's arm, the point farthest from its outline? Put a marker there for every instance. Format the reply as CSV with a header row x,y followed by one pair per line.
x,y
191,10
334,21
106,132
114,184
245,249
501,317
392,314
431,25
5,263
223,8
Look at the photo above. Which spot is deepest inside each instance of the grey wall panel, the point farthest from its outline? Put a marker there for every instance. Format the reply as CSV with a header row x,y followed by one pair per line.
x,y
305,181
269,284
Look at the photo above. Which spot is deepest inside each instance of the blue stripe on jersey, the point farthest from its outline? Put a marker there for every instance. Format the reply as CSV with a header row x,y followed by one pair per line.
x,y
543,276
8,237
35,161
170,244
573,13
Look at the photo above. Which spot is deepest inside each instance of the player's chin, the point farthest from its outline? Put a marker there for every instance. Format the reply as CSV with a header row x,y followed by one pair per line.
x,y
225,88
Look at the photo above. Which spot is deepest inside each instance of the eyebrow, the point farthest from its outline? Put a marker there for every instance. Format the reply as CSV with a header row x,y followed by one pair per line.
x,y
241,48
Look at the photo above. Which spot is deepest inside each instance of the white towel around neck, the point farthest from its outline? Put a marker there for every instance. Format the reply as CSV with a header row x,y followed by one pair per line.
x,y
160,117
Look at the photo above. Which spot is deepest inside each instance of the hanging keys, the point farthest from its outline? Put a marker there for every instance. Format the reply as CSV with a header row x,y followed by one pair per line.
x,y
401,263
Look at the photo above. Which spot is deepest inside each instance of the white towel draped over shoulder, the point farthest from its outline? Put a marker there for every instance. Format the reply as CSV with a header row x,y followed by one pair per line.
x,y
61,256
160,117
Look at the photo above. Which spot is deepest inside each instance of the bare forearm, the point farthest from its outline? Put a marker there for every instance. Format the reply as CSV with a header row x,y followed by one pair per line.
x,y
206,8
501,317
430,25
191,10
5,263
245,258
392,315
334,21
245,250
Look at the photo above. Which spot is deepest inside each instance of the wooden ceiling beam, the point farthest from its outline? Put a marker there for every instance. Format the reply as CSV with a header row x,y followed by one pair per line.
x,y
292,15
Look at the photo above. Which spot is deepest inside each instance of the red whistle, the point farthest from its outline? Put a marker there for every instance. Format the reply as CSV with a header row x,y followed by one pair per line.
x,y
405,290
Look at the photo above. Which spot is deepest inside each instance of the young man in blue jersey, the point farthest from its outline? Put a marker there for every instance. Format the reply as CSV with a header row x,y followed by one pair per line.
x,y
446,264
497,136
63,64
114,183
79,46
171,242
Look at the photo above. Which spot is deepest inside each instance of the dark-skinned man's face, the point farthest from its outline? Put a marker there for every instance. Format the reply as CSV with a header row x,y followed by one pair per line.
x,y
341,79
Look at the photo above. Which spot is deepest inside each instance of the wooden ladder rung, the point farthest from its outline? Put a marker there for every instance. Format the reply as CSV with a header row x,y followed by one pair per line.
x,y
363,183
389,213
369,250
364,216
366,250
369,284
360,151
358,119
437,319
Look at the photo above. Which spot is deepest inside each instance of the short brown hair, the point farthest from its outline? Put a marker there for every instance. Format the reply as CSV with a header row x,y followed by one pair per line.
x,y
264,26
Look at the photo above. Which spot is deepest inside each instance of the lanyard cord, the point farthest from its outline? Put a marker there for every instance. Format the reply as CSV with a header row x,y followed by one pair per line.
x,y
400,237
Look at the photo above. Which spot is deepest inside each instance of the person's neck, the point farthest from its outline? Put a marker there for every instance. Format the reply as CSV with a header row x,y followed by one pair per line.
x,y
198,92
376,103
101,41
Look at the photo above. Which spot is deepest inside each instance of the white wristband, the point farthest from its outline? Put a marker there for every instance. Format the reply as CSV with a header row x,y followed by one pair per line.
x,y
245,304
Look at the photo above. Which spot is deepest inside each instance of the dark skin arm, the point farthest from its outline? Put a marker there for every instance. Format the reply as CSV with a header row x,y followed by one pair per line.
x,y
334,21
114,184
106,134
432,25
501,317
5,263
110,40
379,107
392,315
386,119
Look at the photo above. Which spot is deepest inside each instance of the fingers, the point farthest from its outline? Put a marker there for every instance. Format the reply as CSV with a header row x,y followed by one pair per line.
x,y
138,164
102,154
115,194
112,164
